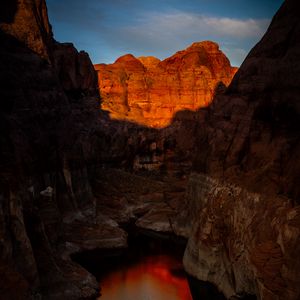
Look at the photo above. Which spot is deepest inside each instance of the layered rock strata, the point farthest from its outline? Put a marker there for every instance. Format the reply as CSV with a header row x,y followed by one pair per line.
x,y
243,242
149,92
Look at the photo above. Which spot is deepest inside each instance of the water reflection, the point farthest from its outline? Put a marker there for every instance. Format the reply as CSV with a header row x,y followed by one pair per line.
x,y
157,277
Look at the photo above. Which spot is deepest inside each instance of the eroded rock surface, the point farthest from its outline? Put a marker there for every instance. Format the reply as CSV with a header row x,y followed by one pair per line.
x,y
149,92
245,199
151,203
243,242
42,178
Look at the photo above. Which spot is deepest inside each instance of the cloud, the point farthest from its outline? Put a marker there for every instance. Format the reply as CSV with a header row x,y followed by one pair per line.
x,y
109,31
162,34
235,27
188,23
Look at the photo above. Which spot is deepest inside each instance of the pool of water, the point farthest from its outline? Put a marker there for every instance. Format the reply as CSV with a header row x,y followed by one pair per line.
x,y
149,269
155,277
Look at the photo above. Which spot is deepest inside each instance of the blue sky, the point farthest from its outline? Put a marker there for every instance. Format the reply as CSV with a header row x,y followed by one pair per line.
x,y
108,29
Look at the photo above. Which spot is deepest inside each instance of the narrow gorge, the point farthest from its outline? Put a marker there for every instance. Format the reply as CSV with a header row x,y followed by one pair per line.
x,y
188,147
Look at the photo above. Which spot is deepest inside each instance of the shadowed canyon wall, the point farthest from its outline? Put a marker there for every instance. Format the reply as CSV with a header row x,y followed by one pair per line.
x,y
148,91
44,107
244,194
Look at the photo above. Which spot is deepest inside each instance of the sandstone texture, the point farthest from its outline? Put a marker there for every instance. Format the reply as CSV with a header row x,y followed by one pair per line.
x,y
244,196
149,92
245,243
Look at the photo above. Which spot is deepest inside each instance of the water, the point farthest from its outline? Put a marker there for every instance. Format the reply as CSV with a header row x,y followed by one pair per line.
x,y
157,277
150,269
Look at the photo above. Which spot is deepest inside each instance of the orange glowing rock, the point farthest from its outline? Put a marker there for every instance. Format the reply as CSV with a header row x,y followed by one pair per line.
x,y
148,91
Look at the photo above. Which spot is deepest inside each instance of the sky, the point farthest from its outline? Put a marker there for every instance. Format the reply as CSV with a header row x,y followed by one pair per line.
x,y
108,29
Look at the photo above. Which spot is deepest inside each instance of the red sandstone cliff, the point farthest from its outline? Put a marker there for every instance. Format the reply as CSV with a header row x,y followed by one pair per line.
x,y
149,92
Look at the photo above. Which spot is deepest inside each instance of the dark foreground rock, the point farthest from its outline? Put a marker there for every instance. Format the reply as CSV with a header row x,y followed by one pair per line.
x,y
42,178
244,198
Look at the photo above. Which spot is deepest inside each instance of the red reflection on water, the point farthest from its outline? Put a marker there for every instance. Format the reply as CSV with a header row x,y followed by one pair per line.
x,y
150,279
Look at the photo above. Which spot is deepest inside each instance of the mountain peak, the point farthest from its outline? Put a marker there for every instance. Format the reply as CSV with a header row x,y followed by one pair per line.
x,y
149,61
148,91
208,45
126,58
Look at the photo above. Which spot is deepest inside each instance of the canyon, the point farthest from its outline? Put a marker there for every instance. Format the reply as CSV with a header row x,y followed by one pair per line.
x,y
73,168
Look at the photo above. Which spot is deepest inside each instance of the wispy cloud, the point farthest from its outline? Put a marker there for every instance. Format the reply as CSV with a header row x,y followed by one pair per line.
x,y
122,28
174,22
164,33
234,27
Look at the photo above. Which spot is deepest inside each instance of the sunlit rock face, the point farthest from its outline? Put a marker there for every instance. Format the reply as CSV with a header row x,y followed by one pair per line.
x,y
244,199
149,92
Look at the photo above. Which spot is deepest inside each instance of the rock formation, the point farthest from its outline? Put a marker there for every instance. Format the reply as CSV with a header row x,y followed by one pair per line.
x,y
149,92
57,148
28,22
244,198
43,178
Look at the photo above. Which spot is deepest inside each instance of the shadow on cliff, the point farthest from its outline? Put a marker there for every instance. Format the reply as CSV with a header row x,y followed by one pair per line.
x,y
240,132
137,148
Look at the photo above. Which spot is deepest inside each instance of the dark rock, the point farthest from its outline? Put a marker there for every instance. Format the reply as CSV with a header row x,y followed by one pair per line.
x,y
245,198
75,71
43,173
27,21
